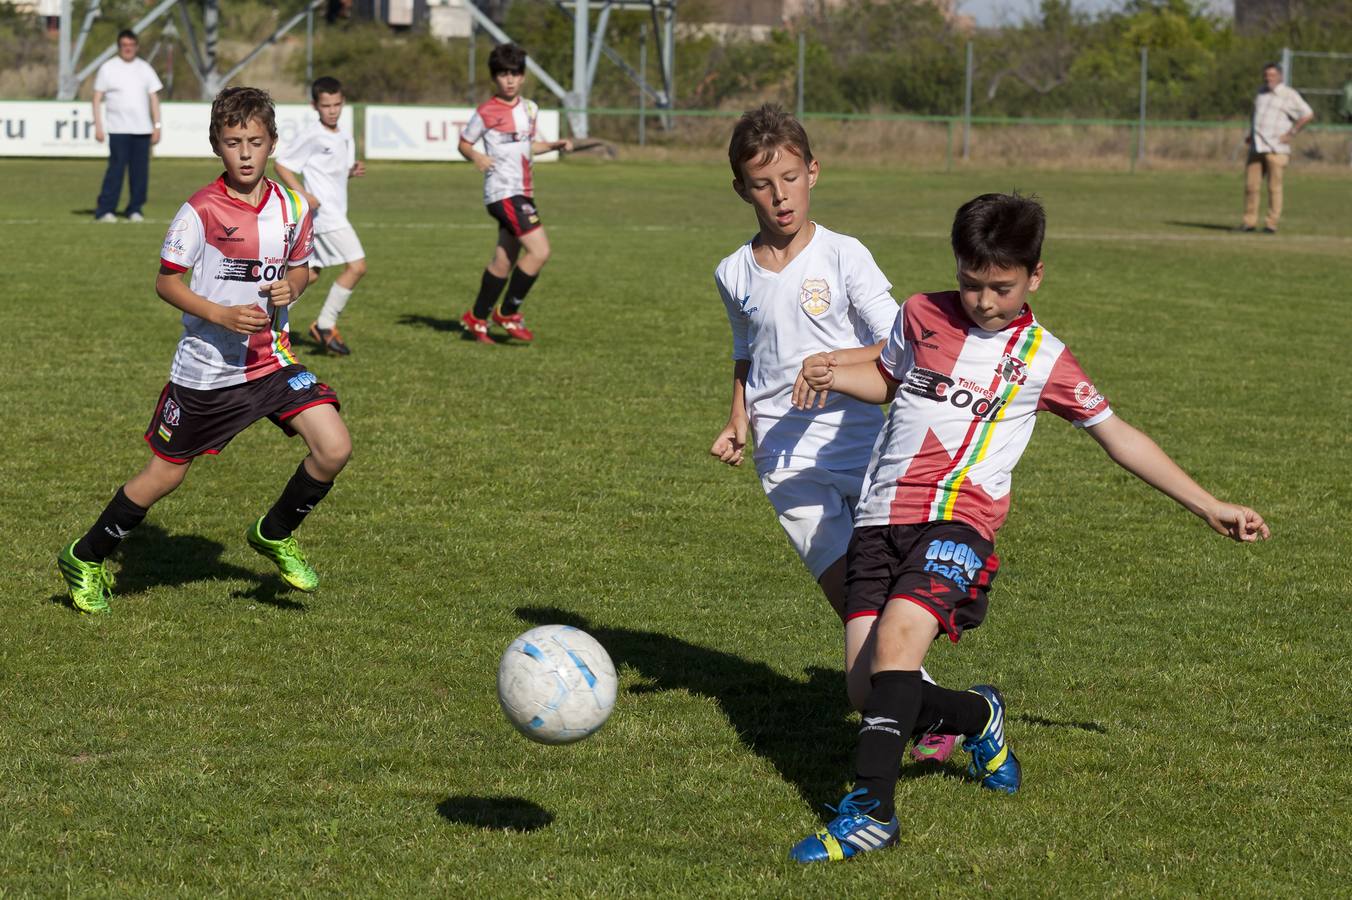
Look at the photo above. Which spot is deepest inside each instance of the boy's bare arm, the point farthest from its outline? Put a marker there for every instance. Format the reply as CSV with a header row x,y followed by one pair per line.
x,y
481,161
290,180
861,380
239,319
545,146
1134,451
804,396
731,441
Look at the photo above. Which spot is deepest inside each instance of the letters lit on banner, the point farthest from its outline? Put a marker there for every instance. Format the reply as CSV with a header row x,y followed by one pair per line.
x,y
432,132
47,128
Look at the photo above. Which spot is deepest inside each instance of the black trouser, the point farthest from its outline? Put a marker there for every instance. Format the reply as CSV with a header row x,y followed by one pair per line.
x,y
131,153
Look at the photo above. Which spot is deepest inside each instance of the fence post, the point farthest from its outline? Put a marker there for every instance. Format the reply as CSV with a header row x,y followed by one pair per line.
x,y
642,86
473,51
1286,64
309,45
948,156
1140,128
967,108
802,49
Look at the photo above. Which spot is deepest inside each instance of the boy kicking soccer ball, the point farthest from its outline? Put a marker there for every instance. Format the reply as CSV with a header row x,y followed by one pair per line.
x,y
247,241
794,289
966,372
506,125
326,156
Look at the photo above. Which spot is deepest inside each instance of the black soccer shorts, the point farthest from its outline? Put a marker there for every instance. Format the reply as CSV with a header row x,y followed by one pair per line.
x,y
517,215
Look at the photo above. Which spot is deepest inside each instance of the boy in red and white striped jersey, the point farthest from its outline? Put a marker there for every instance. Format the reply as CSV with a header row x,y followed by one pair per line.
x,y
966,372
248,242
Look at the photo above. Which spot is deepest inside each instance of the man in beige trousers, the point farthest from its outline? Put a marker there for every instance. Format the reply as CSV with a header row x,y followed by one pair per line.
x,y
1279,113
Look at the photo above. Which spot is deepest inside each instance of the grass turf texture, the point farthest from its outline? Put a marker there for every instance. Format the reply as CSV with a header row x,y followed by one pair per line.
x,y
1180,703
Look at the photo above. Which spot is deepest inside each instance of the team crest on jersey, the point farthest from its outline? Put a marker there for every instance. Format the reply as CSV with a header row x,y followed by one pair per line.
x,y
171,412
1088,396
1012,369
814,296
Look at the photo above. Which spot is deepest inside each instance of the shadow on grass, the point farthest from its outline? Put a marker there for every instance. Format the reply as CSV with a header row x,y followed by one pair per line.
x,y
452,326
805,730
1208,226
495,813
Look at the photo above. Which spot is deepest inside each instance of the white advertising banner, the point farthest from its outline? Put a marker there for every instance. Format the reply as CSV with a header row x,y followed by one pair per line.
x,y
432,132
54,128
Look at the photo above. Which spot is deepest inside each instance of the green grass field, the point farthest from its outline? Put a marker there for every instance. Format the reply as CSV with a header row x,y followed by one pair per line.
x,y
1180,703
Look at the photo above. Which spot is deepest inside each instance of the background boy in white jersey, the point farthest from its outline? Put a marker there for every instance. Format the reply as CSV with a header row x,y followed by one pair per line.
x,y
506,125
966,372
326,155
247,241
794,289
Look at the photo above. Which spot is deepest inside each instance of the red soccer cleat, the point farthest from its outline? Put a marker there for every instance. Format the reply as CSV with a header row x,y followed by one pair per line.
x,y
514,326
476,328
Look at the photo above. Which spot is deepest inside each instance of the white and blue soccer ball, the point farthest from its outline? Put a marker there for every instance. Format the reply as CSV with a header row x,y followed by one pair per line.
x,y
556,684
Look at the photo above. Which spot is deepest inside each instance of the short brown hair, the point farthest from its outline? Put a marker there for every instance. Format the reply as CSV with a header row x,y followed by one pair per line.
x,y
1001,230
235,106
761,132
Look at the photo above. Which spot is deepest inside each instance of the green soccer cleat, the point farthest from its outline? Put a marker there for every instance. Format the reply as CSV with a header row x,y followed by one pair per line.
x,y
290,562
90,584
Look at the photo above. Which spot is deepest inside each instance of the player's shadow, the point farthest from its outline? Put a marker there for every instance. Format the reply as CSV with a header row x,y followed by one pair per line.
x,y
449,326
806,730
151,557
1207,226
495,813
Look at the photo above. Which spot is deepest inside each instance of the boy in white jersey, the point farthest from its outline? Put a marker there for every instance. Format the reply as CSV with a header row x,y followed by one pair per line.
x,y
326,155
248,242
506,125
966,371
794,289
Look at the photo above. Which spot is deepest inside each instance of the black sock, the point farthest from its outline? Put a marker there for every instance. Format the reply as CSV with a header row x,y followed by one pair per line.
x,y
301,494
516,291
888,720
119,517
489,289
944,711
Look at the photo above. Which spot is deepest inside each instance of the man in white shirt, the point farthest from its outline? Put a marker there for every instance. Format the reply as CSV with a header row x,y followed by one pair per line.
x,y
131,123
1279,113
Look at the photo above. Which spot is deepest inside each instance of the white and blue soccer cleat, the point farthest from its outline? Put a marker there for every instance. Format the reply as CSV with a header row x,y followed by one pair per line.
x,y
993,764
851,832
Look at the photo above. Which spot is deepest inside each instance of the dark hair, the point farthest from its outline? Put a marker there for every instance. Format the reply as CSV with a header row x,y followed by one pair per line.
x,y
236,106
1273,65
127,33
761,132
325,85
1002,230
506,58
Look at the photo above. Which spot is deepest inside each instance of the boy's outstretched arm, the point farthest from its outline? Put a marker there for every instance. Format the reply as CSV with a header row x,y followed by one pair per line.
x,y
804,396
291,180
1134,451
731,441
823,372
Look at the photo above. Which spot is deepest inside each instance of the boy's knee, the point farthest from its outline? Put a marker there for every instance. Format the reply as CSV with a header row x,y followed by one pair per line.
x,y
312,276
332,455
356,269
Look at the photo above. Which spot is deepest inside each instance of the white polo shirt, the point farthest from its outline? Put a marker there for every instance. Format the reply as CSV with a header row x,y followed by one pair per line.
x,y
126,88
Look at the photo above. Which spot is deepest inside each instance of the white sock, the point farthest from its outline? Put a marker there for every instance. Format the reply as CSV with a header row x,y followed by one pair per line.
x,y
333,305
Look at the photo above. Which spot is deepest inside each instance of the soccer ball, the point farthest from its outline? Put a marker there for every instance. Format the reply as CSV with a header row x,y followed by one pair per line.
x,y
556,684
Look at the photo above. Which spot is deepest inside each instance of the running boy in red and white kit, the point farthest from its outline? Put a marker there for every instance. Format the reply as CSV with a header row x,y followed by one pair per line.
x,y
506,125
248,242
326,155
794,289
966,372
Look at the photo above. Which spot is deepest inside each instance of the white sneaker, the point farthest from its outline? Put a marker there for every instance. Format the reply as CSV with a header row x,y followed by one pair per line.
x,y
106,217
136,217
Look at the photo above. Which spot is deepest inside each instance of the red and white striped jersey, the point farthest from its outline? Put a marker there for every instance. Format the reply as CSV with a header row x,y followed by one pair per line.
x,y
507,130
964,412
235,249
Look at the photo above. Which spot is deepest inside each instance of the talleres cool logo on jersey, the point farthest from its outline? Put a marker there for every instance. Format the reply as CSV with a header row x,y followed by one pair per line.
x,y
962,393
814,296
251,270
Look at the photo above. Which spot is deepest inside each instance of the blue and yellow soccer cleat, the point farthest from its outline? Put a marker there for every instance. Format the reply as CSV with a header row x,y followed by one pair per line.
x,y
286,554
994,765
90,584
851,832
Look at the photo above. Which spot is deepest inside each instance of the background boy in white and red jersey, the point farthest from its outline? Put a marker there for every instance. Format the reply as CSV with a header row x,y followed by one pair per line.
x,y
247,241
794,289
506,125
326,155
966,372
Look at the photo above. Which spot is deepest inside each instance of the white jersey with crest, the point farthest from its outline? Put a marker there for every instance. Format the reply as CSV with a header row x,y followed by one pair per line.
x,y
507,130
323,158
234,249
831,296
963,413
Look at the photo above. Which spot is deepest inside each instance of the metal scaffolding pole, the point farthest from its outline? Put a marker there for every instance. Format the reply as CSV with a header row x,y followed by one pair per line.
x,y
577,97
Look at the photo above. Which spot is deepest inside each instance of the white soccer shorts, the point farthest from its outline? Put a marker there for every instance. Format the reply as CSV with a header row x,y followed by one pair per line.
x,y
816,511
333,248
